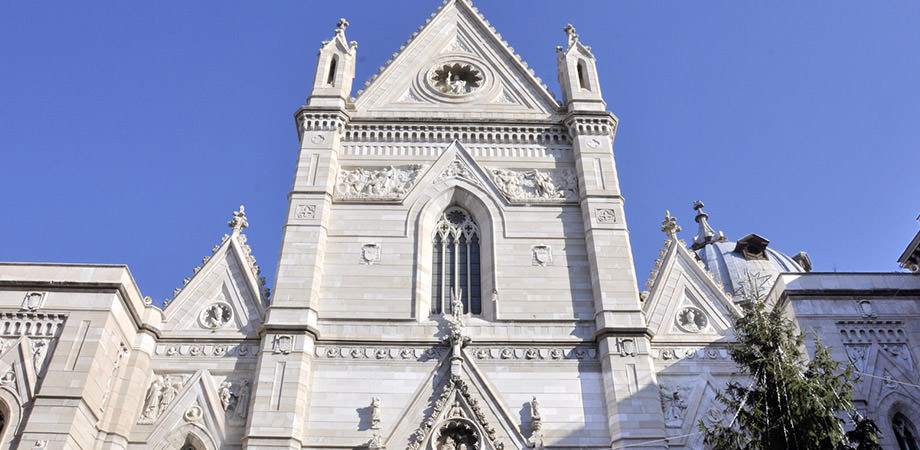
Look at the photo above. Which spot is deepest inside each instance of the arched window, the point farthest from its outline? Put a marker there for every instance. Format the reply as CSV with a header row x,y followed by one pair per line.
x,y
455,262
905,432
582,80
331,77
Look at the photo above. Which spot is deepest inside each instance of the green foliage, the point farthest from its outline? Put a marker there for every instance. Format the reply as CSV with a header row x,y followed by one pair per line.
x,y
786,400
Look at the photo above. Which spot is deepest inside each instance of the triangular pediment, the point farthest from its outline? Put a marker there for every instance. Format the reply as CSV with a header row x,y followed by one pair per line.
x,y
19,368
455,167
175,401
456,403
684,303
222,299
456,66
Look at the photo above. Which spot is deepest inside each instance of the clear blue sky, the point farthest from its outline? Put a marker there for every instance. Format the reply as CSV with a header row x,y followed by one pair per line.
x,y
129,131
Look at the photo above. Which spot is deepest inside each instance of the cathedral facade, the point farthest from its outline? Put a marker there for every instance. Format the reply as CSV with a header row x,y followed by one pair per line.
x,y
455,273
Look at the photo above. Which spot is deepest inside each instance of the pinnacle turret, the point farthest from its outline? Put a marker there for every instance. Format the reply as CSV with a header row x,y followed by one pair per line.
x,y
706,234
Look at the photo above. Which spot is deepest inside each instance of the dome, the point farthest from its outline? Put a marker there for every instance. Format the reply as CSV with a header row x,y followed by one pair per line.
x,y
743,264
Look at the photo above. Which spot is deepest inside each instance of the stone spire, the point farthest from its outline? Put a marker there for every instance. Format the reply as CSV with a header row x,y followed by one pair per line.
x,y
669,225
705,235
239,221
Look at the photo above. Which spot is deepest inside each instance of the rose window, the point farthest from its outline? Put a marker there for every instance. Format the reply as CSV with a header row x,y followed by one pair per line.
x,y
456,79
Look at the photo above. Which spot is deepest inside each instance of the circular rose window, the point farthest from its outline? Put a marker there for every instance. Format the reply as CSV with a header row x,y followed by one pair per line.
x,y
456,79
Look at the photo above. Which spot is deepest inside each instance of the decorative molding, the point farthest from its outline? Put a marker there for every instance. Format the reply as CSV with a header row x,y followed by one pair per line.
x,y
677,353
180,350
383,353
32,324
536,185
468,134
454,392
380,183
870,330
591,126
534,353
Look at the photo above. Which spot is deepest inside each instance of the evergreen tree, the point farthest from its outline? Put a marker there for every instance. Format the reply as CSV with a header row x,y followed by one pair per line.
x,y
787,401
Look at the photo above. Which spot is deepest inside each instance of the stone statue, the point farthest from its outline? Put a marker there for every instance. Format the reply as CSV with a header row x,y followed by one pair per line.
x,y
242,400
170,391
375,413
673,405
226,396
152,400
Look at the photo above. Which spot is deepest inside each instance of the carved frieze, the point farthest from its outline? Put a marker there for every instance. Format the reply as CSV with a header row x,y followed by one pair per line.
x,y
536,185
676,353
388,353
380,183
186,350
458,169
534,353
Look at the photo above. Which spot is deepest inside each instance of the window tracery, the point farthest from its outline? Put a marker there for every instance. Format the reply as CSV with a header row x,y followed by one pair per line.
x,y
456,262
905,432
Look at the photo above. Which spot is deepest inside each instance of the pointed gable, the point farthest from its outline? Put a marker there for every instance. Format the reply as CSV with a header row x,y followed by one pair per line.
x,y
457,67
223,298
683,301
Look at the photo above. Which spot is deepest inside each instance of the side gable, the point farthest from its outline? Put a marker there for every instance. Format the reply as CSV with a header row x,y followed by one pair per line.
x,y
684,303
222,299
457,67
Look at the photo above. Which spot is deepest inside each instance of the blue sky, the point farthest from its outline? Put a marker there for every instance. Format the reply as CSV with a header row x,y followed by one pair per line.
x,y
129,131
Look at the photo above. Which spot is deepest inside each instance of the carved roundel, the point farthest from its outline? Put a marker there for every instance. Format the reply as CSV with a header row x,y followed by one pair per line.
x,y
456,434
216,315
692,320
456,78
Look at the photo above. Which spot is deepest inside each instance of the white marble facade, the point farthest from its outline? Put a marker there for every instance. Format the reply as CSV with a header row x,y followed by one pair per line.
x,y
542,339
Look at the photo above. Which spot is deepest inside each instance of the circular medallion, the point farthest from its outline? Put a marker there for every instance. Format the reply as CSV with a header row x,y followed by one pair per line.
x,y
457,78
216,315
691,320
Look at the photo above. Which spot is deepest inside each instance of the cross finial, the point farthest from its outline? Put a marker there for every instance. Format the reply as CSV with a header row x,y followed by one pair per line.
x,y
669,225
341,25
239,220
706,233
569,30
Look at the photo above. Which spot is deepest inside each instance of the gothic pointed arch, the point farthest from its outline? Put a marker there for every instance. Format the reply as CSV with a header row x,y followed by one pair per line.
x,y
478,222
188,437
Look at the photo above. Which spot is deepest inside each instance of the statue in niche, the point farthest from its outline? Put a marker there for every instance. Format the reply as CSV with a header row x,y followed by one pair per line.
x,y
242,400
457,84
375,413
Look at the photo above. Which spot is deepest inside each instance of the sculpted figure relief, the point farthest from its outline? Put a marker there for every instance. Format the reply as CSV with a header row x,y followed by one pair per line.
x,y
536,185
391,183
673,404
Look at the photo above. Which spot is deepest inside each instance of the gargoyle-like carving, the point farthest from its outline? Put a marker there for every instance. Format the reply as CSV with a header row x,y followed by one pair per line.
x,y
389,183
536,185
